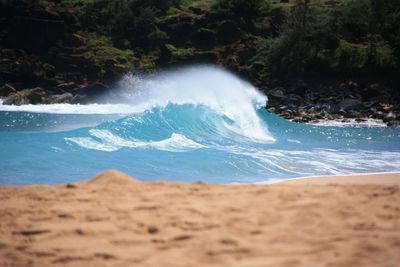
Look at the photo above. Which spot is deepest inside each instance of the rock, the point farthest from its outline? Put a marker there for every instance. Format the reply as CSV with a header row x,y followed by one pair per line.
x,y
6,90
50,70
300,87
15,99
35,96
80,99
27,96
276,94
389,117
73,40
372,91
349,86
349,104
68,87
62,98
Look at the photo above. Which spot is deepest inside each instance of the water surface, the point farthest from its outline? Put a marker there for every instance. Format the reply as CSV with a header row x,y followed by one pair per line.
x,y
194,124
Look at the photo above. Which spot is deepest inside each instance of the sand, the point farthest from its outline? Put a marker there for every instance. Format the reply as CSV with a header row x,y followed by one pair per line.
x,y
114,220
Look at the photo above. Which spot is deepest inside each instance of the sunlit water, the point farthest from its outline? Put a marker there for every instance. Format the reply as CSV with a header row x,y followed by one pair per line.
x,y
194,124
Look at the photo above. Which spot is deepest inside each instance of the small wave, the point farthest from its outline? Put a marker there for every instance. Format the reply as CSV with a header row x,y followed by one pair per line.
x,y
109,142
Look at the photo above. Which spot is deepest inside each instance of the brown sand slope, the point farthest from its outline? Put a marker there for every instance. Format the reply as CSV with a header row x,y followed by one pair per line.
x,y
113,220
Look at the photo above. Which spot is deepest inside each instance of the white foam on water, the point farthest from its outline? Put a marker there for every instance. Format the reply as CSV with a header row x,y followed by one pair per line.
x,y
109,142
369,123
72,108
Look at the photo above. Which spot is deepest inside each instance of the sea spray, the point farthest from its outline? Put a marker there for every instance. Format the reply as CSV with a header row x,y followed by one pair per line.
x,y
209,86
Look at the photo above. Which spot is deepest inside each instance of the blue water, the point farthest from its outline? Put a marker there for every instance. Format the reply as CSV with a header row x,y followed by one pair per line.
x,y
197,124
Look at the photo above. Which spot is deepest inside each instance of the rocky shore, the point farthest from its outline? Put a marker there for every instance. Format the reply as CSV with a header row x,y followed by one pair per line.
x,y
342,102
299,102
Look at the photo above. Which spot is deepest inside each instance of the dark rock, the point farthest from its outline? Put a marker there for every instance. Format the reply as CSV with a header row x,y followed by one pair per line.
x,y
63,98
349,104
35,95
389,117
300,87
6,90
349,86
50,70
10,76
372,91
15,99
73,40
24,97
80,99
68,87
278,94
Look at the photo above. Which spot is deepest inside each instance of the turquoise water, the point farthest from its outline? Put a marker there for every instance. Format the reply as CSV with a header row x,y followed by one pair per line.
x,y
194,124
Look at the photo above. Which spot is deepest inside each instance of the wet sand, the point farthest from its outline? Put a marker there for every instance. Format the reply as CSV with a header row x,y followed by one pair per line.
x,y
114,220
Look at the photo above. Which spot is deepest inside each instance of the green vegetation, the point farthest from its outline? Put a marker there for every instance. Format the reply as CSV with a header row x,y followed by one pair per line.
x,y
101,51
355,36
283,39
179,53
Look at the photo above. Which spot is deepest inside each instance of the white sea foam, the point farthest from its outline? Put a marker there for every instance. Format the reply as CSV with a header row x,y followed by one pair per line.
x,y
73,108
109,142
374,123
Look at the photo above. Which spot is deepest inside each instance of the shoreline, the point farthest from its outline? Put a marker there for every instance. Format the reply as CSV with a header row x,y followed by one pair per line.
x,y
114,220
362,122
341,178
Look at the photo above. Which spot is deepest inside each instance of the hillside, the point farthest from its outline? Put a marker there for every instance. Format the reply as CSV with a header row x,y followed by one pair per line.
x,y
314,59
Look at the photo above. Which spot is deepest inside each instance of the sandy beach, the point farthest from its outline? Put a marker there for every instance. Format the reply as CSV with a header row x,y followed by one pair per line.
x,y
114,220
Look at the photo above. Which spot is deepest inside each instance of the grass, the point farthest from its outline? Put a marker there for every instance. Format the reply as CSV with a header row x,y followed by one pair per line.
x,y
101,51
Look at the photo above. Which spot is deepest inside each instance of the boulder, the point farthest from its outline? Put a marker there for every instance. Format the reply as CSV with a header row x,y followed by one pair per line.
x,y
28,96
389,117
276,94
35,95
62,98
6,90
15,99
349,104
68,87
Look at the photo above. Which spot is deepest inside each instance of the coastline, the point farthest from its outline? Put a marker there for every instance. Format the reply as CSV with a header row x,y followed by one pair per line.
x,y
114,220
